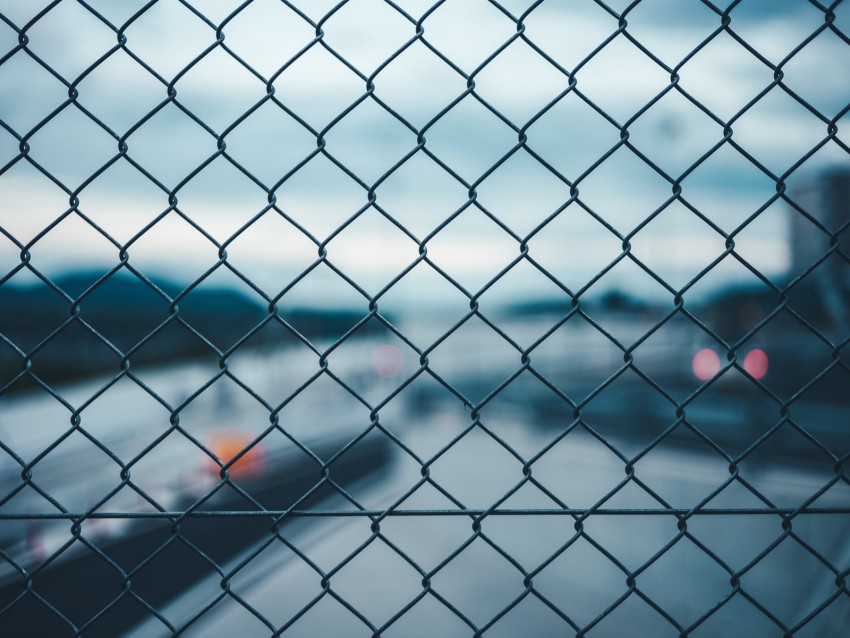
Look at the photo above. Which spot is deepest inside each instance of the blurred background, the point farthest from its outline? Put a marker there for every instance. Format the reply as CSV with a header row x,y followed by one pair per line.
x,y
464,256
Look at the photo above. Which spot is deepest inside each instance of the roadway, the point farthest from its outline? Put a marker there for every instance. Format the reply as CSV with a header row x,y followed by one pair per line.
x,y
579,471
580,581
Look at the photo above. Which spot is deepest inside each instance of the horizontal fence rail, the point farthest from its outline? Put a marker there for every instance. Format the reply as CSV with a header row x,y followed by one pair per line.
x,y
564,285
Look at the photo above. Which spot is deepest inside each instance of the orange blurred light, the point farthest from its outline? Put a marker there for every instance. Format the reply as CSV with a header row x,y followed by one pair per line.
x,y
227,446
705,364
756,363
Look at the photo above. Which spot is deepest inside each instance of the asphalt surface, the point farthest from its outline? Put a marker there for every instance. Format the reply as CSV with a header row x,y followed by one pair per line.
x,y
581,581
505,577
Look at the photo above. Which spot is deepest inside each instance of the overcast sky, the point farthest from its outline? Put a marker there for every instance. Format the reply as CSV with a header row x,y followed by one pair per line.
x,y
519,83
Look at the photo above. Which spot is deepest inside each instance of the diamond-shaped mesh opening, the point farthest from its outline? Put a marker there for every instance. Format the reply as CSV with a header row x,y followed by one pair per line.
x,y
416,64
470,139
406,318
571,245
98,245
619,64
48,361
799,69
635,613
289,595
698,584
143,309
499,195
645,190
399,582
323,616
168,37
528,75
581,605
570,42
188,146
447,420
530,606
151,249
499,581
95,39
255,251
169,549
746,190
728,619
749,23
771,111
759,467
221,199
270,143
574,125
218,108
371,265
450,26
492,480
103,472
318,103
724,61
428,612
829,547
420,195
677,245
369,141
474,359
778,593
514,301
148,418
384,360
487,249
48,92
750,244
430,321
557,358
352,32
320,197
637,541
121,201
657,466
74,129
650,22
266,35
584,481
674,134
79,607
813,417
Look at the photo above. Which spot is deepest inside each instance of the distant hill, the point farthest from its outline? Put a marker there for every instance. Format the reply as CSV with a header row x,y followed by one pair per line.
x,y
137,321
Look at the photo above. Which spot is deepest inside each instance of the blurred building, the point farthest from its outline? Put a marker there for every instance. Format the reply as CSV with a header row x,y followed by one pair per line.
x,y
827,199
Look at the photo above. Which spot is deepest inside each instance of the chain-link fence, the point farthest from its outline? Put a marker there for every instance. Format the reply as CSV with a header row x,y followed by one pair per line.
x,y
411,318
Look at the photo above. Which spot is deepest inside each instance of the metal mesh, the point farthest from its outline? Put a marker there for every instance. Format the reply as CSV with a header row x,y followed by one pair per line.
x,y
616,392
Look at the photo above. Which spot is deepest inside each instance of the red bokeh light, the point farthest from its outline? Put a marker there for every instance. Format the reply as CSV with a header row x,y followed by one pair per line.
x,y
705,364
756,363
387,361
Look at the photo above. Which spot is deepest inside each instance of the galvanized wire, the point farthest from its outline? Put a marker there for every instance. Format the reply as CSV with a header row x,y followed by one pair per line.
x,y
724,25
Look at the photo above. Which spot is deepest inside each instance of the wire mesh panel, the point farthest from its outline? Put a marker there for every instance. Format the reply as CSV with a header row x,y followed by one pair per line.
x,y
407,318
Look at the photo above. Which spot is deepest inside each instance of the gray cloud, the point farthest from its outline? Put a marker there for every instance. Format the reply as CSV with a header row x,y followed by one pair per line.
x,y
571,136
